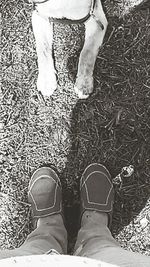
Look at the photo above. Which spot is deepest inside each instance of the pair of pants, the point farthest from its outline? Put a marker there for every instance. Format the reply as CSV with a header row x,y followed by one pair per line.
x,y
94,241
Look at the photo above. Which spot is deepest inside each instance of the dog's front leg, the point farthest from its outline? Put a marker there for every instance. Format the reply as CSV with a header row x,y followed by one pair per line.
x,y
95,29
43,31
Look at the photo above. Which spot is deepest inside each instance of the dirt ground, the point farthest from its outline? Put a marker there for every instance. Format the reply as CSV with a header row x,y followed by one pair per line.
x,y
112,126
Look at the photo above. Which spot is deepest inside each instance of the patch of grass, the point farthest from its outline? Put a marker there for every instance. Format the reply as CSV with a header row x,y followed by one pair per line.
x,y
112,126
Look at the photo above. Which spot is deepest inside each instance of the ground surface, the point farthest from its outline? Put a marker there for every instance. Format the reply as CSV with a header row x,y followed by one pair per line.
x,y
112,126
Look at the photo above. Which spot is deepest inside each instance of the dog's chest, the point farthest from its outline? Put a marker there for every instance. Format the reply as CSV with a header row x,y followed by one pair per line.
x,y
71,9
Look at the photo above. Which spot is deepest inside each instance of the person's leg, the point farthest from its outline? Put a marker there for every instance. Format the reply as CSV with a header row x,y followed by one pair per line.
x,y
94,238
95,241
46,203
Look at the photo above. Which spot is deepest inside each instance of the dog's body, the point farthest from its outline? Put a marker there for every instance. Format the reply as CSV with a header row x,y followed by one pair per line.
x,y
64,8
95,28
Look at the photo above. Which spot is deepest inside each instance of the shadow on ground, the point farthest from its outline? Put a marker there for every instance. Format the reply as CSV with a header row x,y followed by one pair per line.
x,y
111,127
95,140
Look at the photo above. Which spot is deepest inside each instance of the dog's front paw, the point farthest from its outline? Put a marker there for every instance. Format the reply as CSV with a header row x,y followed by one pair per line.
x,y
84,86
47,83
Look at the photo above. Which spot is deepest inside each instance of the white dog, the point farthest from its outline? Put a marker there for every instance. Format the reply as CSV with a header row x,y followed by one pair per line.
x,y
45,13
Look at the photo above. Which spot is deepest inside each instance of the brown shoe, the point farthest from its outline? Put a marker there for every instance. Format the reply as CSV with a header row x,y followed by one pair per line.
x,y
96,190
45,194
